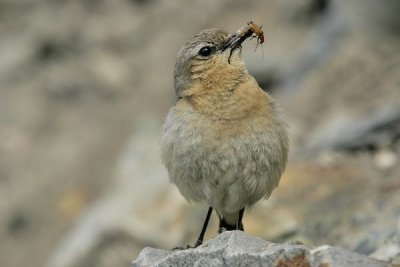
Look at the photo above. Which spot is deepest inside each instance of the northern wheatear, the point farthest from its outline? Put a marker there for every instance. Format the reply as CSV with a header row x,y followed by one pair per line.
x,y
224,141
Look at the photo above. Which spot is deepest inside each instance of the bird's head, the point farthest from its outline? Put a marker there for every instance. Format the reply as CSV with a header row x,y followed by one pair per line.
x,y
211,60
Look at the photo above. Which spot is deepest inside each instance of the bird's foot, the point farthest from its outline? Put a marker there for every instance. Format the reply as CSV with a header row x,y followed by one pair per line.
x,y
222,230
182,248
188,246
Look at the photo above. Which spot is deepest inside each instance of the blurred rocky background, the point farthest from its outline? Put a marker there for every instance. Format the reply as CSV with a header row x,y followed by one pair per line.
x,y
84,88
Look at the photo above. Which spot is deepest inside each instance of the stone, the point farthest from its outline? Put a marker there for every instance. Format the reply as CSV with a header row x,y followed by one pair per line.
x,y
385,159
237,248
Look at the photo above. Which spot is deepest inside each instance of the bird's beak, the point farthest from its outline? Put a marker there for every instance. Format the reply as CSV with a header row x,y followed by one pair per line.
x,y
238,37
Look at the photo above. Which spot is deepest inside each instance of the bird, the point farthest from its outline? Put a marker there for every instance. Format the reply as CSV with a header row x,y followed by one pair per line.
x,y
225,140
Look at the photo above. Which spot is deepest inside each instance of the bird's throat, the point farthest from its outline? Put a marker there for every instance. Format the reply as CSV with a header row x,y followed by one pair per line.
x,y
242,99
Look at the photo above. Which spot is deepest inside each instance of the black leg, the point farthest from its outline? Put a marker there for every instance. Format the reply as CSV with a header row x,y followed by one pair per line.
x,y
203,230
239,224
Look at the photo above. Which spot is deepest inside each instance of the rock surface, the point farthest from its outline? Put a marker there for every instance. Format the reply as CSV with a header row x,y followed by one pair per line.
x,y
237,248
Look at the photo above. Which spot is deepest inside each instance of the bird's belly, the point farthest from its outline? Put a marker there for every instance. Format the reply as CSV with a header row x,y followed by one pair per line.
x,y
227,167
227,176
233,192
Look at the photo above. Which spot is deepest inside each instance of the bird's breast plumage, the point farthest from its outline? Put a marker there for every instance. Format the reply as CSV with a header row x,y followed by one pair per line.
x,y
227,164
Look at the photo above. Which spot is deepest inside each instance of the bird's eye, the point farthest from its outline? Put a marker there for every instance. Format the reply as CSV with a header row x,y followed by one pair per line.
x,y
206,51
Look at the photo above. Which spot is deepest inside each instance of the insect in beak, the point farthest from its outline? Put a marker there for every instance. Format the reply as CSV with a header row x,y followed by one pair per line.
x,y
238,37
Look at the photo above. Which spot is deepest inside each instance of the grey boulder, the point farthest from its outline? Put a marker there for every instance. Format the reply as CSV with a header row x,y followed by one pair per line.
x,y
236,248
